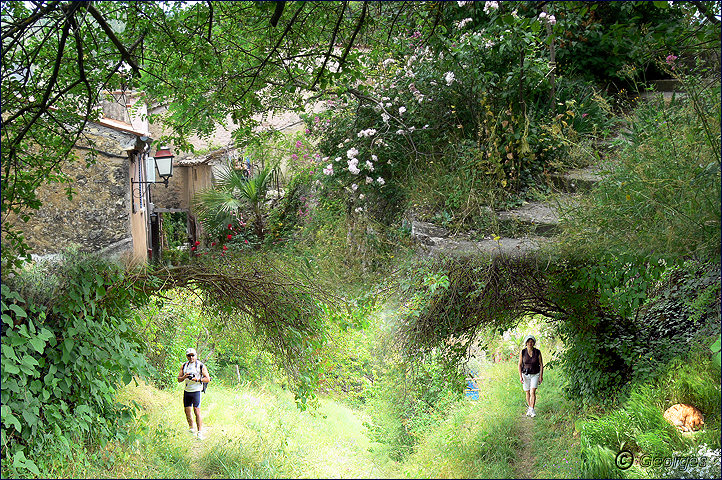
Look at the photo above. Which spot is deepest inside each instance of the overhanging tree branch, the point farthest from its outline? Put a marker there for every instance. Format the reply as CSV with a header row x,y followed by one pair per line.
x,y
277,13
355,32
706,11
111,36
330,45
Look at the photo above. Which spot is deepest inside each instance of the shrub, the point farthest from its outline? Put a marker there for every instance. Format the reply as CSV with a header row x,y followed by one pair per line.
x,y
660,195
65,352
400,415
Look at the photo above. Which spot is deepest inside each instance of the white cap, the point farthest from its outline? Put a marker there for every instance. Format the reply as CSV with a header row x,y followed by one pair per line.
x,y
526,339
191,350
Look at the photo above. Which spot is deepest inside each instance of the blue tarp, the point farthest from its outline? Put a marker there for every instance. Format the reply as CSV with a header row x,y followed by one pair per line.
x,y
471,391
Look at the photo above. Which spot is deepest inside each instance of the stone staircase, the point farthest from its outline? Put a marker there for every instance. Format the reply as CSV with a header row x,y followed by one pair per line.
x,y
517,231
533,224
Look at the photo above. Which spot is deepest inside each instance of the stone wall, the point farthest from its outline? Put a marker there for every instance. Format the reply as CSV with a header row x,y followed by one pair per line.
x,y
97,217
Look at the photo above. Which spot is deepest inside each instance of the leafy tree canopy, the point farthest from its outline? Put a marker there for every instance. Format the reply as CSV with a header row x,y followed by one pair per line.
x,y
206,60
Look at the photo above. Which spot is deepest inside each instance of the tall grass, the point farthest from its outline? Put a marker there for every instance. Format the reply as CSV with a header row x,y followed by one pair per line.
x,y
661,193
639,426
250,433
484,438
258,432
556,446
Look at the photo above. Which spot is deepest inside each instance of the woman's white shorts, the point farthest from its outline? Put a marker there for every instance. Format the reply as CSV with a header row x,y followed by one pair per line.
x,y
530,381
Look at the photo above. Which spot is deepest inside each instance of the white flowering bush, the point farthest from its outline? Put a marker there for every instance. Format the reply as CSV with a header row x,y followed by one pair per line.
x,y
461,103
699,461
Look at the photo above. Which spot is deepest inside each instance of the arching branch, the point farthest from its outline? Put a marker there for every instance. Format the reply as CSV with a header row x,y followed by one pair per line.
x,y
277,13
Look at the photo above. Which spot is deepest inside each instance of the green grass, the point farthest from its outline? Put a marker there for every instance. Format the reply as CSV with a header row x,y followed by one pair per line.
x,y
484,439
639,425
257,432
250,433
661,193
556,444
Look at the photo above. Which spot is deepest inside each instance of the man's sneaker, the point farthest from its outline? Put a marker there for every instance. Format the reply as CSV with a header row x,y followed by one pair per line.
x,y
528,411
192,431
200,436
532,413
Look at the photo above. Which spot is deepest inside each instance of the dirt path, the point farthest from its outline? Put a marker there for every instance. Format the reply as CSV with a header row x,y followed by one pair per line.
x,y
523,468
196,466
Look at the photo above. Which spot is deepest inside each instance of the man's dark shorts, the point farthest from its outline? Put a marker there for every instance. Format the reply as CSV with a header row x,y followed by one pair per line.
x,y
191,399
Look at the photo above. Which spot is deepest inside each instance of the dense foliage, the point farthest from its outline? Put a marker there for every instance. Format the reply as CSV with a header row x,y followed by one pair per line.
x,y
68,343
207,61
432,110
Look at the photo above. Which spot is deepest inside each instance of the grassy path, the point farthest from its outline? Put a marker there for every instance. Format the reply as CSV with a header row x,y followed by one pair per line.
x,y
491,437
250,433
259,433
524,466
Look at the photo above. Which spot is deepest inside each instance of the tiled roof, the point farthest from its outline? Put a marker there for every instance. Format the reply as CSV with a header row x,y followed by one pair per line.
x,y
187,160
118,125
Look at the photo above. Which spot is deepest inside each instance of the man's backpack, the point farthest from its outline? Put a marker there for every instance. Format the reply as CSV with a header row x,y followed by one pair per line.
x,y
200,370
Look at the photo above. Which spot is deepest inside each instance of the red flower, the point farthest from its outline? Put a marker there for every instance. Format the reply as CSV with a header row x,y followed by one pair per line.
x,y
230,226
213,244
225,247
230,236
193,249
246,241
197,243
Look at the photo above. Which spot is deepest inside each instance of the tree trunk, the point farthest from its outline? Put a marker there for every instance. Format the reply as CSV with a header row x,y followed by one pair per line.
x,y
552,63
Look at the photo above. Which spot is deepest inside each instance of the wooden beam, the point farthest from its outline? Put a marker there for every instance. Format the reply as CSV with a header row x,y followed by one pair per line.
x,y
171,210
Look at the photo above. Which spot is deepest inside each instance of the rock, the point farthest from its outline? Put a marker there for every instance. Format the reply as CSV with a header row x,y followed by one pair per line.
x,y
541,218
425,229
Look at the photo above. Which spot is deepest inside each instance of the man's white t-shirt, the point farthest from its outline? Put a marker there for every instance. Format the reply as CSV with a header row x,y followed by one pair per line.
x,y
195,369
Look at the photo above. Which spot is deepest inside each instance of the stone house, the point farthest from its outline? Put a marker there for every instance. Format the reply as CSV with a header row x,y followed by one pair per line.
x,y
108,213
195,172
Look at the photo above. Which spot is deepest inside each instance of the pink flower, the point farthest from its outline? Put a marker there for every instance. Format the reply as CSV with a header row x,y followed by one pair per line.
x,y
584,115
299,144
294,157
671,59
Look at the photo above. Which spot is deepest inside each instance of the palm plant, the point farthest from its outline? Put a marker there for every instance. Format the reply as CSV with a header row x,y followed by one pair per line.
x,y
220,205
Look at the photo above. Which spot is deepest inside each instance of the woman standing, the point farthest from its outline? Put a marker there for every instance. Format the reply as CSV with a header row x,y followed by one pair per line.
x,y
531,371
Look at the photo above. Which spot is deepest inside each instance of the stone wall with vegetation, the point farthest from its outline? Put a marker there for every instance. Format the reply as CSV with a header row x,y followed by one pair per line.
x,y
97,216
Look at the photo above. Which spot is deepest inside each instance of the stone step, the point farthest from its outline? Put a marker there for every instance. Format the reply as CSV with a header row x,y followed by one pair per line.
x,y
531,218
458,245
577,180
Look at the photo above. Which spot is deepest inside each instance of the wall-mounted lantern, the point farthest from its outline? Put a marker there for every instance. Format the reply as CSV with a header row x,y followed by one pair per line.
x,y
163,163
